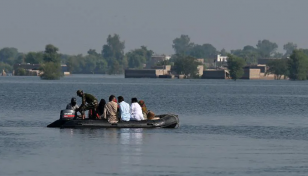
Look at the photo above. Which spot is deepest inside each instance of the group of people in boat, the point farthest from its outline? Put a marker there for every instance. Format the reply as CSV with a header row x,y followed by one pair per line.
x,y
113,111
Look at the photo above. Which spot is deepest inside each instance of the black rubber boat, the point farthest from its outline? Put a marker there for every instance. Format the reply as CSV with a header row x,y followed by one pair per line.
x,y
67,121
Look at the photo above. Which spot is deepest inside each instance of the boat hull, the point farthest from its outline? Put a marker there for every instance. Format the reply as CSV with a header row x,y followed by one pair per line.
x,y
164,121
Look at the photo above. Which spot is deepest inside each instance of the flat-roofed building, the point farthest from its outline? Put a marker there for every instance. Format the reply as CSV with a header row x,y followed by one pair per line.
x,y
155,59
251,73
262,67
221,58
143,73
215,74
200,69
34,69
163,67
154,72
200,60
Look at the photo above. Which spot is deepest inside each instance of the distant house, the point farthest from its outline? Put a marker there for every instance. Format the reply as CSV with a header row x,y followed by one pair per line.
x,y
155,59
31,69
27,66
220,61
262,67
200,69
221,58
251,73
215,74
153,72
64,69
167,68
265,61
200,60
143,73
3,73
34,69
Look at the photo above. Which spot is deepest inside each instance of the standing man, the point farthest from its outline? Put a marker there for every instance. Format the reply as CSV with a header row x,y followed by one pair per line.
x,y
124,109
110,111
89,102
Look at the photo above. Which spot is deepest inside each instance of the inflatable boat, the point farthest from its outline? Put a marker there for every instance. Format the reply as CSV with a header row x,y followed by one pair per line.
x,y
68,120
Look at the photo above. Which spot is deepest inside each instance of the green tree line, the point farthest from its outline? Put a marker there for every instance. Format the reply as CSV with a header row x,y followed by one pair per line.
x,y
294,67
113,60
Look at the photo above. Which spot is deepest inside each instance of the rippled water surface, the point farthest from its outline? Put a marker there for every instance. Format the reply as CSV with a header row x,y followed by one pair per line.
x,y
244,127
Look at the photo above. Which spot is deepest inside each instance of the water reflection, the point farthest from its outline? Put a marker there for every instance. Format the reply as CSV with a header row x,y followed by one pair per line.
x,y
131,136
131,141
123,147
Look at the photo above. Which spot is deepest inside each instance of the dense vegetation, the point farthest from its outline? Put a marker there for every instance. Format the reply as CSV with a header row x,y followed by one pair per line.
x,y
295,66
298,65
186,65
278,67
113,60
51,66
235,66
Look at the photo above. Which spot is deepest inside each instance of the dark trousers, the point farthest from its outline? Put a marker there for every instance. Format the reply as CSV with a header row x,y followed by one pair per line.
x,y
90,106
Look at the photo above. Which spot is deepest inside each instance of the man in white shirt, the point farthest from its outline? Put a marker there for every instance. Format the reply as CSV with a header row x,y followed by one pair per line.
x,y
124,109
136,111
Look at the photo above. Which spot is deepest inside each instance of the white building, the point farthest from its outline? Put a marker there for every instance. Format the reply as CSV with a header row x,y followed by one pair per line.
x,y
221,58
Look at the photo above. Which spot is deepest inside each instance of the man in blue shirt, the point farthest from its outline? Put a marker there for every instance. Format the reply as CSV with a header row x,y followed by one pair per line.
x,y
124,109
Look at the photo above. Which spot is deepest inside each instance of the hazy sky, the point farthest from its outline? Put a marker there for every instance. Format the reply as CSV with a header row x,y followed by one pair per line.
x,y
75,26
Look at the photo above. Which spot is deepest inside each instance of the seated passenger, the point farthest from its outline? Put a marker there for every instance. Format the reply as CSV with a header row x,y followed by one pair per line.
x,y
101,107
124,109
118,109
136,112
110,110
144,109
73,105
151,116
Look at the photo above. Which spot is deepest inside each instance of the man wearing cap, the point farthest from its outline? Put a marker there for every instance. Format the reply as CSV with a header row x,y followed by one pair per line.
x,y
89,102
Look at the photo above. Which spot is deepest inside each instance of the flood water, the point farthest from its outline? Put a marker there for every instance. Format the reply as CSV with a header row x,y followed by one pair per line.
x,y
244,127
